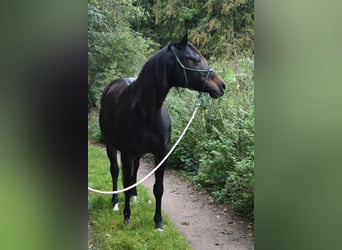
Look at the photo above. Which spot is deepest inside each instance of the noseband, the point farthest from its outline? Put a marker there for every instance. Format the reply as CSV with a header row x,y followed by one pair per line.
x,y
208,70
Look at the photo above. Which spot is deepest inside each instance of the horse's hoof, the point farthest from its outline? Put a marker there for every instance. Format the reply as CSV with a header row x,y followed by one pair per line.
x,y
116,207
159,227
127,221
134,199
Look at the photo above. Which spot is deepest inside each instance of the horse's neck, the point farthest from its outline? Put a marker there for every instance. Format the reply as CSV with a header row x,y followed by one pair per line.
x,y
148,99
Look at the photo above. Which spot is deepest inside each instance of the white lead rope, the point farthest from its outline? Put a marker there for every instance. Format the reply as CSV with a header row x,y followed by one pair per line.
x,y
158,166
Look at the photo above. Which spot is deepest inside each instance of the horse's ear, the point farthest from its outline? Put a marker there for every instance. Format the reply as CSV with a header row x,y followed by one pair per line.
x,y
182,43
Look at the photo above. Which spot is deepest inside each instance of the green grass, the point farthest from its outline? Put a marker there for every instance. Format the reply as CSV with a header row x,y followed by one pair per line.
x,y
109,230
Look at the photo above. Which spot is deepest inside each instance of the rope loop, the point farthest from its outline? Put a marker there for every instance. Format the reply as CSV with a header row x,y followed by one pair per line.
x,y
160,163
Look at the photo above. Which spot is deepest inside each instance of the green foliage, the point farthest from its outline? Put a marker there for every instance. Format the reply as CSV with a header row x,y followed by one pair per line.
x,y
114,49
94,133
218,150
239,187
220,29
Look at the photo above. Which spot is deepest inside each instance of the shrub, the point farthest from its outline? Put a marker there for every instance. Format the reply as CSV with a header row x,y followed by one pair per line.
x,y
239,187
114,49
94,132
218,150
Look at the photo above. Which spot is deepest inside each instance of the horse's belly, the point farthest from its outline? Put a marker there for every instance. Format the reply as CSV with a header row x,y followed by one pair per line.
x,y
139,143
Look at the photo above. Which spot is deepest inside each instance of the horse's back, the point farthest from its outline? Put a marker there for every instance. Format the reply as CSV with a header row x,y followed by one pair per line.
x,y
124,127
115,88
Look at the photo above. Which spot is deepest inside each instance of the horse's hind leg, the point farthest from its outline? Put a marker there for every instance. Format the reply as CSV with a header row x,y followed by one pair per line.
x,y
114,171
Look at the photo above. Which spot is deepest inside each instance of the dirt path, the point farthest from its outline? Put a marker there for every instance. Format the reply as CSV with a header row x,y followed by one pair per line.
x,y
206,225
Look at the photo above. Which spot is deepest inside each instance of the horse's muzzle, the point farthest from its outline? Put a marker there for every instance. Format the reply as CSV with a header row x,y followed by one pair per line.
x,y
216,87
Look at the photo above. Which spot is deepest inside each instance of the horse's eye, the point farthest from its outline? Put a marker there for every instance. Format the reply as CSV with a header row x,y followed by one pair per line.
x,y
196,60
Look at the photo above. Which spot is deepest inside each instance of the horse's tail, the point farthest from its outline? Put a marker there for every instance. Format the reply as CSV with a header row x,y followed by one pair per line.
x,y
106,89
105,92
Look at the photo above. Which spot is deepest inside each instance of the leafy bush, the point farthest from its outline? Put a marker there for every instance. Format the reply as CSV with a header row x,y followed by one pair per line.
x,y
94,133
114,49
239,187
218,150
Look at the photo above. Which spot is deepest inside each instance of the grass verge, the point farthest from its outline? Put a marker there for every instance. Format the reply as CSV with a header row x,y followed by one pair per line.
x,y
109,230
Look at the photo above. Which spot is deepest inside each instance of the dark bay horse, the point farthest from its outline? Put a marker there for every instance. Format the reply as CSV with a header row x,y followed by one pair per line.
x,y
134,121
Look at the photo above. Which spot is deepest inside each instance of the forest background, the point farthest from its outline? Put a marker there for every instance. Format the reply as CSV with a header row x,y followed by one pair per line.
x,y
217,153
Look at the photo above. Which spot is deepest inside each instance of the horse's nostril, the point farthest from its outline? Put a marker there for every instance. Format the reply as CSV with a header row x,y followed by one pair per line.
x,y
223,86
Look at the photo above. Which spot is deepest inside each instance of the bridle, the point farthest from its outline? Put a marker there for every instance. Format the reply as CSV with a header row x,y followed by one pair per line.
x,y
208,70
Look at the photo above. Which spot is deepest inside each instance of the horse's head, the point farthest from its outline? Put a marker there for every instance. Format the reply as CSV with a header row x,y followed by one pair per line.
x,y
193,71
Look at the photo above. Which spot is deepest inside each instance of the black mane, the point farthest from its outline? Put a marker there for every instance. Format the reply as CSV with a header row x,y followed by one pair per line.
x,y
152,86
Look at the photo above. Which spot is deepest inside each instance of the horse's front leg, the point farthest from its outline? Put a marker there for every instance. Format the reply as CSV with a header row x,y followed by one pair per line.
x,y
127,169
158,189
114,171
